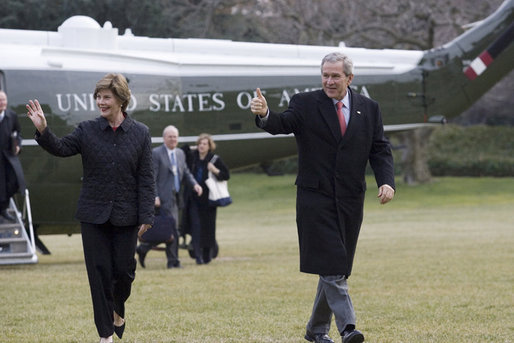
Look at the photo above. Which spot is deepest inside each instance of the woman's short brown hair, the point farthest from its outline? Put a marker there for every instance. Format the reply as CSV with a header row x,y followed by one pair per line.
x,y
118,85
202,136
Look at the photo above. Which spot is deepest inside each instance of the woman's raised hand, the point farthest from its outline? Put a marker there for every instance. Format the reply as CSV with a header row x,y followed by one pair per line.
x,y
36,114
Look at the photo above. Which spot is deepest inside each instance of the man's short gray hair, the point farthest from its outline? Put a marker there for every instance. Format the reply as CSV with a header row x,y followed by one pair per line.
x,y
335,57
170,128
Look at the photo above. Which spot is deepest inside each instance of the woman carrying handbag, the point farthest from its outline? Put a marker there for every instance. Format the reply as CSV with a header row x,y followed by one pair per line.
x,y
201,216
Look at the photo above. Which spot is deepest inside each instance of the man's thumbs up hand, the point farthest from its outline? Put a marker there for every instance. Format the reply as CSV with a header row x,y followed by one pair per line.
x,y
259,106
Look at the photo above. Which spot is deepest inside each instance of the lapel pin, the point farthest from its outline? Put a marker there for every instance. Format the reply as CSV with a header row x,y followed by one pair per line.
x,y
358,112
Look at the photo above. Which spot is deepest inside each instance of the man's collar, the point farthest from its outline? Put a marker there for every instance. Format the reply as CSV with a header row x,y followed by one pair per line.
x,y
345,100
169,150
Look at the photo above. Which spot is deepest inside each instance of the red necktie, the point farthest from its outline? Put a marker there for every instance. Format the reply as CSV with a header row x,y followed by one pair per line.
x,y
340,116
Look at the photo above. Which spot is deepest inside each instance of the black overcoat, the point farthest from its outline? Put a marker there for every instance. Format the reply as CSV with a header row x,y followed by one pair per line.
x,y
206,213
10,164
331,174
118,183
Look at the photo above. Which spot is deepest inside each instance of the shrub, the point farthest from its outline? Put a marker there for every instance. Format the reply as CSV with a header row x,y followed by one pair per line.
x,y
472,151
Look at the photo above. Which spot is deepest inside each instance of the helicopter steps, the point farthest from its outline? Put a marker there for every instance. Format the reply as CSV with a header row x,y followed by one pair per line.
x,y
16,247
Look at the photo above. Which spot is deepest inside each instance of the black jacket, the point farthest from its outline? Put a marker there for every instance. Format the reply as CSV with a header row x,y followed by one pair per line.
x,y
196,164
118,183
9,126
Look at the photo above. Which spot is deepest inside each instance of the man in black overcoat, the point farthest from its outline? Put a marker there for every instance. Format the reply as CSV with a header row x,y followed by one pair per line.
x,y
11,172
335,142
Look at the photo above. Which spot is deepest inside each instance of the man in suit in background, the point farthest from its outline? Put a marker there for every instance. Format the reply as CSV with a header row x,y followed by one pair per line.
x,y
11,172
170,169
337,131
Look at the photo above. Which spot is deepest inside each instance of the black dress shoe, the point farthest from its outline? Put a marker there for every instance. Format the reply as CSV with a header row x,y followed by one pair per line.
x,y
141,257
174,265
119,330
353,336
318,337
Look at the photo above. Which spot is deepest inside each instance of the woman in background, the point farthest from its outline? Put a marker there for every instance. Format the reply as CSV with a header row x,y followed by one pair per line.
x,y
202,217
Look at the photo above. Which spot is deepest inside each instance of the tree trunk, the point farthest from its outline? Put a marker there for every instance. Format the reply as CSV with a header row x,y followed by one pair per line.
x,y
415,155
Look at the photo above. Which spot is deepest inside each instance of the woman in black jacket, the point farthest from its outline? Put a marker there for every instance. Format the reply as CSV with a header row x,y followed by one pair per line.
x,y
117,197
202,217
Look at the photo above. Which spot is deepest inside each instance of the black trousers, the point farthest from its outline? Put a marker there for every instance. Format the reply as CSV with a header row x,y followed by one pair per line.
x,y
196,230
8,183
109,254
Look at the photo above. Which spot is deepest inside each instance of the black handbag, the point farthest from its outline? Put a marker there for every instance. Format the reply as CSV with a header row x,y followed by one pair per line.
x,y
164,230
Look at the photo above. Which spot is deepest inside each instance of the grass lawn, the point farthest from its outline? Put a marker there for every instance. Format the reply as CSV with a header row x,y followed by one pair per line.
x,y
435,265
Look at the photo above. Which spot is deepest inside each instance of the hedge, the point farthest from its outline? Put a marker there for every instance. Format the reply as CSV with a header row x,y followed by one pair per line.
x,y
471,151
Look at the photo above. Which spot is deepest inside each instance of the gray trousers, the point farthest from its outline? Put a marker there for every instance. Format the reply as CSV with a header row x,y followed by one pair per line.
x,y
331,298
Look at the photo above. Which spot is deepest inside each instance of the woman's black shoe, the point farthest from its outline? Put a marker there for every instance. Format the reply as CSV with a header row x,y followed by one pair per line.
x,y
119,330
